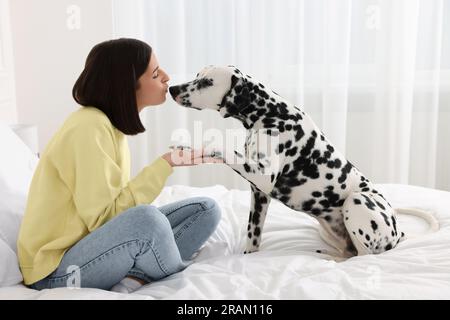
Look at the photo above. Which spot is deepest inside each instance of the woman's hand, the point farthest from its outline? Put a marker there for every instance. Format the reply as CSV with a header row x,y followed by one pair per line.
x,y
186,157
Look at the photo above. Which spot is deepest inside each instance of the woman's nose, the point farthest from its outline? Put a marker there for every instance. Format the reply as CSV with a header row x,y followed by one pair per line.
x,y
166,77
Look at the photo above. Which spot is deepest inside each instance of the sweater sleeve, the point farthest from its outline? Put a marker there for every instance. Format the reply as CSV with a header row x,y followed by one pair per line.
x,y
89,167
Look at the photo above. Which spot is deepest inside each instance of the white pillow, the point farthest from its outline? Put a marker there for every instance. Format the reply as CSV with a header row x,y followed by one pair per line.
x,y
9,267
17,166
9,228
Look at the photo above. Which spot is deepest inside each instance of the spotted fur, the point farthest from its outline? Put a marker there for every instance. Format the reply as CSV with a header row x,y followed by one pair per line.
x,y
312,176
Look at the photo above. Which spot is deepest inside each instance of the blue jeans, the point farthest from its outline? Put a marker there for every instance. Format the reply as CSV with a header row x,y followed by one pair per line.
x,y
145,242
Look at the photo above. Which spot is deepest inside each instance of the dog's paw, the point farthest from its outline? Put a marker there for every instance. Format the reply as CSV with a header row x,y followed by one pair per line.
x,y
232,157
180,147
248,251
216,154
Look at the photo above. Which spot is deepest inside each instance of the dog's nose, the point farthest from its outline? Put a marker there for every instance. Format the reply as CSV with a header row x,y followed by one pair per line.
x,y
174,91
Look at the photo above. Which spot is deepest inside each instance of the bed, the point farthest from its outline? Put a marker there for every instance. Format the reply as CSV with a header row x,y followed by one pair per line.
x,y
287,265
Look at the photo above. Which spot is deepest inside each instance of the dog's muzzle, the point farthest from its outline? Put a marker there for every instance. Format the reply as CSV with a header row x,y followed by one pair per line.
x,y
174,91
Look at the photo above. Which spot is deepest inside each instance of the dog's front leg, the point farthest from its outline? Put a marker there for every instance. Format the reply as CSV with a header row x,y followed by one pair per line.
x,y
258,210
260,175
261,181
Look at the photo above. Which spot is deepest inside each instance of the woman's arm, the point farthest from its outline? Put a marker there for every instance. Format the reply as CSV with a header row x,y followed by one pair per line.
x,y
185,156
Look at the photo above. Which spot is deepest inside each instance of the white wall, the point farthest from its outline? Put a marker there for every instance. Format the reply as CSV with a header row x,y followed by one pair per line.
x,y
52,39
8,113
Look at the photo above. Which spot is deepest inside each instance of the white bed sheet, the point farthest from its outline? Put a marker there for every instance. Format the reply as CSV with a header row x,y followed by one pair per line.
x,y
287,265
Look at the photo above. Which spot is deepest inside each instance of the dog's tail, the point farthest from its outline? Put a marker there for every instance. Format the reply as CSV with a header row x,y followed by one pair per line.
x,y
427,216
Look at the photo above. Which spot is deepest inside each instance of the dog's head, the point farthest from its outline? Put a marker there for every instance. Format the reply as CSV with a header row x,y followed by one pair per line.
x,y
222,89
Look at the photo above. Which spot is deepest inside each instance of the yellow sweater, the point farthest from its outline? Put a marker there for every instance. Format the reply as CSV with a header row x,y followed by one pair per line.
x,y
82,181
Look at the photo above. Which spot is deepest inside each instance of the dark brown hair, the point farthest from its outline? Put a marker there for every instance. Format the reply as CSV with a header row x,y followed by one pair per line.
x,y
110,79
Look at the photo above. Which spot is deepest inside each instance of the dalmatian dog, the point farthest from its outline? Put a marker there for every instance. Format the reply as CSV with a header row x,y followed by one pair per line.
x,y
311,175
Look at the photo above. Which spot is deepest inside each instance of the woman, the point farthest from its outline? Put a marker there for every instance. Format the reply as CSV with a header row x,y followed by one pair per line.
x,y
86,223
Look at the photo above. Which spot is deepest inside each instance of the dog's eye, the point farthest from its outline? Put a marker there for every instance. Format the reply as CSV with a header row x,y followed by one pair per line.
x,y
204,83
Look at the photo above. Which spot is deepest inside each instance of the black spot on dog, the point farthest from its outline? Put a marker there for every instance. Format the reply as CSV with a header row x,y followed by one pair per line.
x,y
380,205
299,132
204,83
369,203
288,144
374,225
255,218
311,171
307,205
345,171
394,224
385,219
325,203
291,152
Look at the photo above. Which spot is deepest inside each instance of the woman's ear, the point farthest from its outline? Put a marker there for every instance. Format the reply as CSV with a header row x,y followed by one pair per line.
x,y
236,99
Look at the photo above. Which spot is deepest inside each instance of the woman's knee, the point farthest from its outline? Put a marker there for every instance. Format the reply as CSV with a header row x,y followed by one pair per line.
x,y
146,220
211,210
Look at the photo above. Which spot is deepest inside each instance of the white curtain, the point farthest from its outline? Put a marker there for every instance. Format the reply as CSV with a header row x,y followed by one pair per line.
x,y
8,113
374,75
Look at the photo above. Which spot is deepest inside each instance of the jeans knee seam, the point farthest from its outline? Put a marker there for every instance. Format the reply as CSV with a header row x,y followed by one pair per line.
x,y
189,204
158,258
194,219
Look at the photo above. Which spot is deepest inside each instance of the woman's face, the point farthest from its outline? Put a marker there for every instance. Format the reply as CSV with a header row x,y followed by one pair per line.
x,y
152,85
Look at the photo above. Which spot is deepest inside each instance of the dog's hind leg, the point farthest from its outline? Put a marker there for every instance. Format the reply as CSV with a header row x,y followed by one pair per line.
x,y
371,223
258,210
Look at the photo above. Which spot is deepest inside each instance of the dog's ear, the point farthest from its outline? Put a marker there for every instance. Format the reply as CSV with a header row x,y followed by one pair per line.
x,y
236,99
